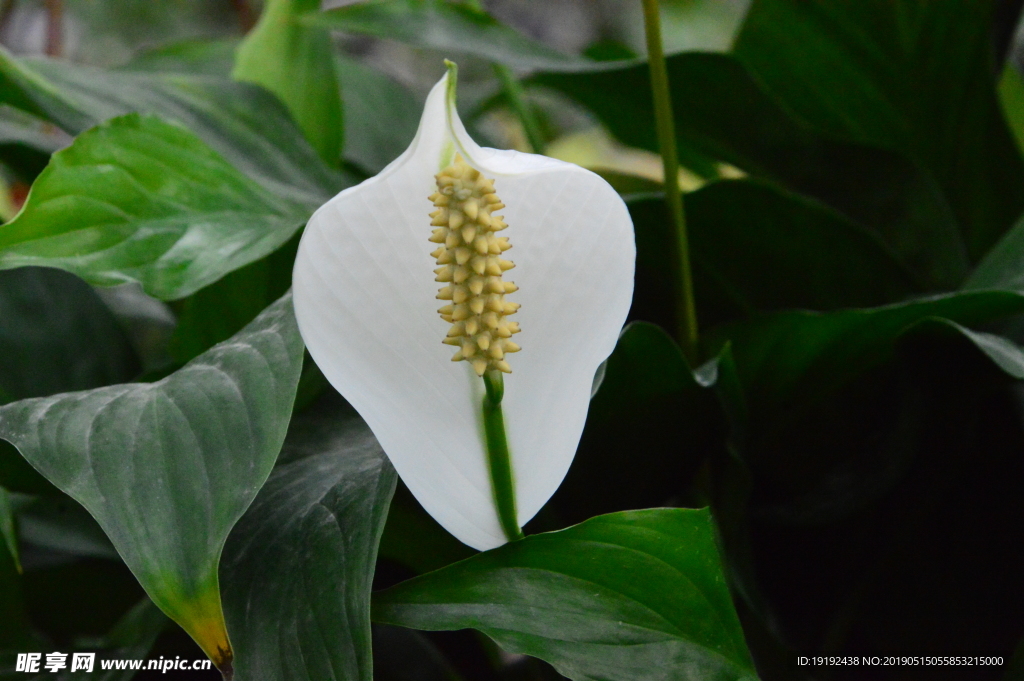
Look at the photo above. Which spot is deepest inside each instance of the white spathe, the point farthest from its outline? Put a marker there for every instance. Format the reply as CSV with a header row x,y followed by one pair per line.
x,y
364,294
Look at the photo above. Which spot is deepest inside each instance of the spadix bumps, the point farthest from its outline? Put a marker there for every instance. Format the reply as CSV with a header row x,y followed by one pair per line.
x,y
470,259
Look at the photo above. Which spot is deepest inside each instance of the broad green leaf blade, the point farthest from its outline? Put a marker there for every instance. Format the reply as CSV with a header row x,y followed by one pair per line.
x,y
20,127
723,113
58,523
298,567
242,122
196,56
381,115
167,468
914,77
217,312
446,26
7,532
649,405
139,199
295,62
757,248
1003,266
1003,352
57,336
794,358
632,596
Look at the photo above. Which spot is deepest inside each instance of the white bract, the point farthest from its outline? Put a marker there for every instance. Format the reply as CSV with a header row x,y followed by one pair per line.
x,y
367,304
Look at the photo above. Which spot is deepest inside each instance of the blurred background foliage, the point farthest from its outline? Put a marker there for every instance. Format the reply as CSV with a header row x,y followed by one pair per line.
x,y
854,183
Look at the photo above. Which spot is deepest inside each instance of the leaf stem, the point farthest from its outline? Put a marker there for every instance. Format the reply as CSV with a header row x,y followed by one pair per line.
x,y
498,459
686,309
513,90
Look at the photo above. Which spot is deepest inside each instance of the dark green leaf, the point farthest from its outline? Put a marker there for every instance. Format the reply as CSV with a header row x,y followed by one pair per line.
x,y
1003,266
381,115
243,123
294,61
633,595
298,566
57,336
168,468
218,311
59,523
441,25
793,358
1011,97
758,248
914,77
414,539
140,199
649,405
723,113
7,532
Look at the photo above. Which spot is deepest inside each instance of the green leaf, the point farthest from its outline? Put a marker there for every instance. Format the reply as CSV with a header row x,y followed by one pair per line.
x,y
758,248
59,523
1011,98
1003,266
628,595
723,113
244,123
650,405
294,61
298,566
57,336
19,127
194,56
167,468
791,359
7,532
381,115
139,199
415,540
446,26
217,312
914,77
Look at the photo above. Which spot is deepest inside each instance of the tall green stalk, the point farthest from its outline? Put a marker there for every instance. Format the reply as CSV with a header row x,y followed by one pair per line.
x,y
498,459
686,310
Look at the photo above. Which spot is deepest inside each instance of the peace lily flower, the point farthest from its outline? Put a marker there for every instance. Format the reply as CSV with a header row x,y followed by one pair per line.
x,y
405,292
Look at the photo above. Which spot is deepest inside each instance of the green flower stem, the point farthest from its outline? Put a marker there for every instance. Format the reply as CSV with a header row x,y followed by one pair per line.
x,y
527,116
686,310
498,459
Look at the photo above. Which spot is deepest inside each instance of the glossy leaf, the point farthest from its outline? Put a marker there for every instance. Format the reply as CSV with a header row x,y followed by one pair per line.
x,y
445,26
723,113
294,62
167,468
245,124
793,358
298,566
57,336
634,595
1011,97
1003,266
161,208
904,75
